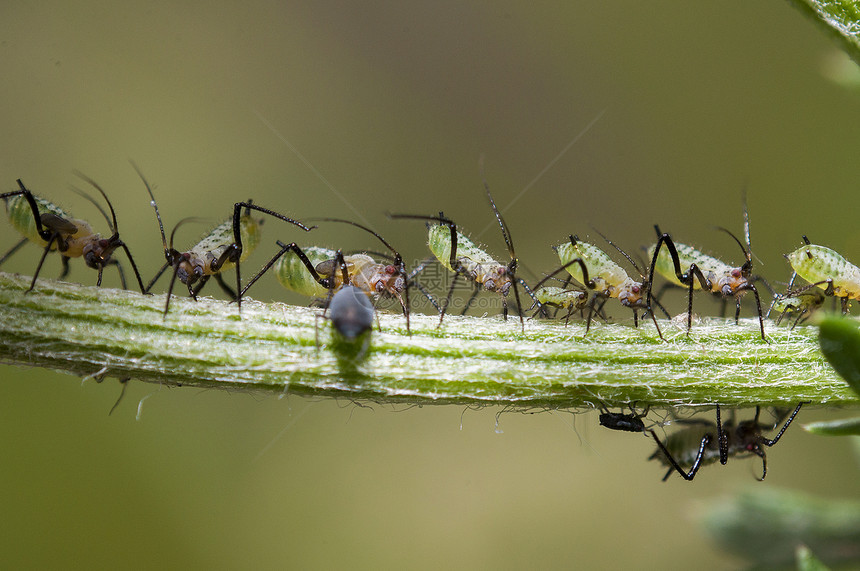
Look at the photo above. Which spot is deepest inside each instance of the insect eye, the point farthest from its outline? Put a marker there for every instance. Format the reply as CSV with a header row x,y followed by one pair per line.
x,y
736,273
635,289
390,270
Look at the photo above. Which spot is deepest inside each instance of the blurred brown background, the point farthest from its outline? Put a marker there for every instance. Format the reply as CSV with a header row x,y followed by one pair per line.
x,y
616,116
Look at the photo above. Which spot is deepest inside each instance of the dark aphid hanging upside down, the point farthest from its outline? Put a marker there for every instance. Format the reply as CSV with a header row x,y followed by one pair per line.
x,y
704,442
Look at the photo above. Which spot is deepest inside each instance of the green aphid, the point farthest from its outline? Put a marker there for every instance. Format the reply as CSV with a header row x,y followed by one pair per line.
x,y
688,267
456,252
53,229
802,305
826,269
601,274
226,246
321,272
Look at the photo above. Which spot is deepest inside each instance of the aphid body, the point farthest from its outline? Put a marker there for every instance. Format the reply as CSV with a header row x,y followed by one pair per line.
x,y
562,298
350,312
687,267
608,278
56,230
801,304
294,276
622,421
463,257
826,269
597,271
211,255
470,260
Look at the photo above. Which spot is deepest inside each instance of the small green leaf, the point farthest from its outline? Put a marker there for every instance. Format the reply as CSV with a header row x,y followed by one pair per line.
x,y
842,427
806,561
840,343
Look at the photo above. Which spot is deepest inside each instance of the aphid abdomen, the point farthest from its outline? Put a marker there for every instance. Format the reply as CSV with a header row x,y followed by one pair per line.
x,y
469,255
21,217
563,298
212,247
819,263
687,256
294,276
604,272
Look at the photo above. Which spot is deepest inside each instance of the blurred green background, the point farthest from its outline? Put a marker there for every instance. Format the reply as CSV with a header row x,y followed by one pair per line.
x,y
616,116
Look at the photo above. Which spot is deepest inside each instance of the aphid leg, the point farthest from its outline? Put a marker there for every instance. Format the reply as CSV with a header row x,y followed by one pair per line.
x,y
194,290
448,298
674,463
724,437
42,260
65,271
475,291
775,439
685,278
12,250
119,271
225,288
156,277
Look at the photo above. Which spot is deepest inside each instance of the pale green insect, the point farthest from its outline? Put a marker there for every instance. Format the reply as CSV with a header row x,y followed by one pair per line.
x,y
826,269
562,298
293,275
801,304
51,228
460,255
604,277
226,246
704,272
320,272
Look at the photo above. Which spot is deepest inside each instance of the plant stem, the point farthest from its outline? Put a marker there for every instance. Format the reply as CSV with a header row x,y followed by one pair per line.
x,y
839,18
89,331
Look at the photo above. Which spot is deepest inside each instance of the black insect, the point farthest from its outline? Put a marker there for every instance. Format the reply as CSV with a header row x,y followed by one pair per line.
x,y
704,442
622,421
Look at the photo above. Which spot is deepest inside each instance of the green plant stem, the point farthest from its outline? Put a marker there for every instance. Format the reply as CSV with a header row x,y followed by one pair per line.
x,y
89,331
839,18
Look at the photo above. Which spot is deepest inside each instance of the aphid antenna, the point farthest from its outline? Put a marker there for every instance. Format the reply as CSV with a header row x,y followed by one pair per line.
x,y
747,253
512,265
622,252
154,204
114,227
182,222
397,256
552,275
88,197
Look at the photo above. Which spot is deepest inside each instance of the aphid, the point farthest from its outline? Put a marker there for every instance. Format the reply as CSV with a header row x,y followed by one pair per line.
x,y
622,421
350,312
313,271
703,442
802,304
51,228
226,246
462,257
606,279
705,272
826,269
559,297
